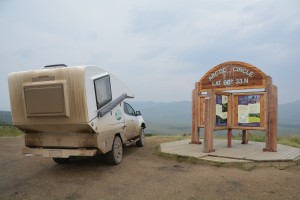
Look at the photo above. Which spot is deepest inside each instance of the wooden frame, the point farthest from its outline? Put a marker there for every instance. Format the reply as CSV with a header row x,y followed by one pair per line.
x,y
229,76
263,112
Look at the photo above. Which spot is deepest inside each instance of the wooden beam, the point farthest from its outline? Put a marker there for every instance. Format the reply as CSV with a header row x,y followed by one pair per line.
x,y
272,115
273,119
229,138
208,122
195,115
245,137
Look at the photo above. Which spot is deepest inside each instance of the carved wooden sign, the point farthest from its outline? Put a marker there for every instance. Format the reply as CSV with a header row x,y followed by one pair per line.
x,y
233,75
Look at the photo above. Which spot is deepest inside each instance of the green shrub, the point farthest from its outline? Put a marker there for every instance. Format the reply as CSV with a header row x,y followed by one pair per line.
x,y
293,141
9,131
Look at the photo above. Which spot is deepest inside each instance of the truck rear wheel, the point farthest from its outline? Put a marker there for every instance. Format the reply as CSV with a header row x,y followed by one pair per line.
x,y
114,157
61,160
141,141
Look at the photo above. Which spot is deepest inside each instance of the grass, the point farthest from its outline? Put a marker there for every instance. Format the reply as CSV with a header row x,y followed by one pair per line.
x,y
9,131
293,141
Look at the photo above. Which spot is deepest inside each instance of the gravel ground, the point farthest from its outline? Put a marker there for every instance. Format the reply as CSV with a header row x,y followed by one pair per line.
x,y
141,175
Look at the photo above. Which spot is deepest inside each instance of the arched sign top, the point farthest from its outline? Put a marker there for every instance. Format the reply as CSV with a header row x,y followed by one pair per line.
x,y
233,75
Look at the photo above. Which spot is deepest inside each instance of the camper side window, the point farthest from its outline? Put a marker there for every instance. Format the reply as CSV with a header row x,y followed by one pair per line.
x,y
103,91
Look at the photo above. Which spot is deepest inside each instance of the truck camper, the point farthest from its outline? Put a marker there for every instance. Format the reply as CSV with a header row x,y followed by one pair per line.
x,y
67,112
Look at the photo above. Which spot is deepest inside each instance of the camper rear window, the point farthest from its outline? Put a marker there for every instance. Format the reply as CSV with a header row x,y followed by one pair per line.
x,y
103,91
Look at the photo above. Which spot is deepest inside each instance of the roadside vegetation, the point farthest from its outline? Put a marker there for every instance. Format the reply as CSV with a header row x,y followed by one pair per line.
x,y
9,131
291,140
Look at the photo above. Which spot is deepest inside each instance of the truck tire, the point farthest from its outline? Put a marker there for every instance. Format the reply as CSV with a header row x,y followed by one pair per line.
x,y
141,141
61,160
114,157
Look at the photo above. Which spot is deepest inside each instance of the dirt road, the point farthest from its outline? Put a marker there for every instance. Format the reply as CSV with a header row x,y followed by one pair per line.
x,y
141,175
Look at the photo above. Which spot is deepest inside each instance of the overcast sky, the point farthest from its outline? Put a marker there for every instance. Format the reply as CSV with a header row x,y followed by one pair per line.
x,y
160,48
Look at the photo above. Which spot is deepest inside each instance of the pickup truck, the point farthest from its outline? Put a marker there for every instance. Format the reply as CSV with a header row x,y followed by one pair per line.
x,y
68,112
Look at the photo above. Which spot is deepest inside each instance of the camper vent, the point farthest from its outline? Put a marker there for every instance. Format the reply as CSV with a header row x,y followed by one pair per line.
x,y
43,78
56,65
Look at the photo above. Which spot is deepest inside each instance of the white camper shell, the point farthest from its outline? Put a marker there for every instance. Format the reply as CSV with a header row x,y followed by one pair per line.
x,y
74,111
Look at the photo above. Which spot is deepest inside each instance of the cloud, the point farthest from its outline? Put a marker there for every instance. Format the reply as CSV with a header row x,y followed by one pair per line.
x,y
160,48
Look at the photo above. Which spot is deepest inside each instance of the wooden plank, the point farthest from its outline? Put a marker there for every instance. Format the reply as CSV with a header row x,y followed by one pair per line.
x,y
201,111
248,128
194,117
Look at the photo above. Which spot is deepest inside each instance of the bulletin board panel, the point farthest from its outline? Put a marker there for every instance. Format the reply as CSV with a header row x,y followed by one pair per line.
x,y
222,110
249,111
214,109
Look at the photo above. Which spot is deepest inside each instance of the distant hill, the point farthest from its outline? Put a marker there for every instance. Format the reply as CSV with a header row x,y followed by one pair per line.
x,y
176,117
5,117
167,118
289,114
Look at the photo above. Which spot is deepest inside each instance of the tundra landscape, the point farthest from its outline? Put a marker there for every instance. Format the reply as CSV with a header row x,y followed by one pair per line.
x,y
143,174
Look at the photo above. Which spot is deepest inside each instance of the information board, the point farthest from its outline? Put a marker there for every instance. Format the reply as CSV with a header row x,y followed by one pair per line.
x,y
227,97
221,110
249,111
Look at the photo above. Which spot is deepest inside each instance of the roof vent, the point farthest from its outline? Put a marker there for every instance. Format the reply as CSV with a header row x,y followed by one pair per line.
x,y
54,66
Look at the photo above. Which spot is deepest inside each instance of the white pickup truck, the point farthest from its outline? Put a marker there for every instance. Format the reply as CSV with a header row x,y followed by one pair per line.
x,y
74,111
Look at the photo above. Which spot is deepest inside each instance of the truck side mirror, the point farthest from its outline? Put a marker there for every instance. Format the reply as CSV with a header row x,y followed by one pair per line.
x,y
138,113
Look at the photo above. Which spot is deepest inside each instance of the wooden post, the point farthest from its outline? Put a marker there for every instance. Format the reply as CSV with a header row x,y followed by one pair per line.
x,y
273,122
195,107
245,137
208,122
229,138
272,114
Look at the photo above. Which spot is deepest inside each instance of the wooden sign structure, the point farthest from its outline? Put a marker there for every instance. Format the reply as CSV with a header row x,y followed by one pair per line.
x,y
224,99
